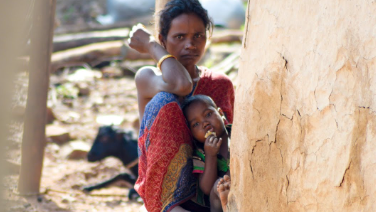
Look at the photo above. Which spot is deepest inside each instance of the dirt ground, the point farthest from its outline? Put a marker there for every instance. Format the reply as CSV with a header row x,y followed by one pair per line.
x,y
62,178
108,94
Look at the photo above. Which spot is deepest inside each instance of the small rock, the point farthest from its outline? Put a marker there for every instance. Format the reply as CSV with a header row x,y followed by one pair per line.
x,y
57,134
109,120
50,116
83,89
82,75
67,199
54,147
68,102
69,117
112,72
39,199
77,154
76,150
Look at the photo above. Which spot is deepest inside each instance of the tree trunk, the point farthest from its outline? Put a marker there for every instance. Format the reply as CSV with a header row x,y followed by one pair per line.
x,y
159,5
305,113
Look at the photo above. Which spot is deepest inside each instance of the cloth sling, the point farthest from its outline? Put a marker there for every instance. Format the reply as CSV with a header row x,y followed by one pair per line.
x,y
165,144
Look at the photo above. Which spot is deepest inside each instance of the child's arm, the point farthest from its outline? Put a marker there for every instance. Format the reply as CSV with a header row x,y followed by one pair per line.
x,y
208,178
224,148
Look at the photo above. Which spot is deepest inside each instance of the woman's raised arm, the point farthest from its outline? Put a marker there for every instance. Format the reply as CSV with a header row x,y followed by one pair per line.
x,y
174,78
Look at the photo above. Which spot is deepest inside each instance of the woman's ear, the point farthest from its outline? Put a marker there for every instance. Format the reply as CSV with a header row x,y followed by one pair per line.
x,y
161,40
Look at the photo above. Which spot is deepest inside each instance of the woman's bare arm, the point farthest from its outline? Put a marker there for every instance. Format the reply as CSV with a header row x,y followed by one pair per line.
x,y
174,78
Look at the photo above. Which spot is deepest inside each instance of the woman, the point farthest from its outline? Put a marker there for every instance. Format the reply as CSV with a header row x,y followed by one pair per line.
x,y
165,144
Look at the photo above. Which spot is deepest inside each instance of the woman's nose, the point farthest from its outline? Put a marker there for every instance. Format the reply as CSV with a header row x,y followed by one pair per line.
x,y
190,45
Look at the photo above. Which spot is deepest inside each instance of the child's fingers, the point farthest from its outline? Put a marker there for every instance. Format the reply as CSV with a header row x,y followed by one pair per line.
x,y
219,143
209,140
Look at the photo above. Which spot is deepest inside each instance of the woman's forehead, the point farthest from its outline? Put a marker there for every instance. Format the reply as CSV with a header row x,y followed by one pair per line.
x,y
187,23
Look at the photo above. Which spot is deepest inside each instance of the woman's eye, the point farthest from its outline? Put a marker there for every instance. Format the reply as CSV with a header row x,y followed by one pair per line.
x,y
200,36
179,37
209,114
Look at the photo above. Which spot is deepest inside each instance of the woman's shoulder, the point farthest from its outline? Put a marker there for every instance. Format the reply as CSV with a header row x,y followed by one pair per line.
x,y
212,83
214,76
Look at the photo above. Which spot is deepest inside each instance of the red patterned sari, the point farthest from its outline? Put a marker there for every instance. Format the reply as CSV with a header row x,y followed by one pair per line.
x,y
165,144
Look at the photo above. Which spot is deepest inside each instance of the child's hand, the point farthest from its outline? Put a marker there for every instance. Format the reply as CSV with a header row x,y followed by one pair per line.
x,y
212,145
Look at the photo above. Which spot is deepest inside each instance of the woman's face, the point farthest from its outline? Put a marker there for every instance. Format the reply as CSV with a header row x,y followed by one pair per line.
x,y
186,39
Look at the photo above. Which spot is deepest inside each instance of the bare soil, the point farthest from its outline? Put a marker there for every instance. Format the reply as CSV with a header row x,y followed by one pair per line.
x,y
62,178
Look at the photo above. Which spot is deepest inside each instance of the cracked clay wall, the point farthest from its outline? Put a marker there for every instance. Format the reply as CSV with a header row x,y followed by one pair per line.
x,y
304,136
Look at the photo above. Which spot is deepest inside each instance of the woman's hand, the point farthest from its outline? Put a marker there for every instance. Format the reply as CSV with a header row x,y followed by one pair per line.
x,y
212,145
140,38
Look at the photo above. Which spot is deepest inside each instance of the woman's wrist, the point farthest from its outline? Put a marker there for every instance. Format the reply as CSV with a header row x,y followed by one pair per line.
x,y
151,47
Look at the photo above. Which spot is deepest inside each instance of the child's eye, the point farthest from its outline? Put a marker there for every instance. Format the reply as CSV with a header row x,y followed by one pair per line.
x,y
209,114
195,124
179,37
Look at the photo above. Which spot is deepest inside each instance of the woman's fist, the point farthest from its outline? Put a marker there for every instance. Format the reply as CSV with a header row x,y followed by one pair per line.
x,y
140,38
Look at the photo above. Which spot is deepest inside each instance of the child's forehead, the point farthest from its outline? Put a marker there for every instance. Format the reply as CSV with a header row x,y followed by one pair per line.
x,y
199,108
202,103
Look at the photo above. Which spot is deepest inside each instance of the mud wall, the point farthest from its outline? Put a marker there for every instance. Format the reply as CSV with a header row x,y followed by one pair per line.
x,y
304,136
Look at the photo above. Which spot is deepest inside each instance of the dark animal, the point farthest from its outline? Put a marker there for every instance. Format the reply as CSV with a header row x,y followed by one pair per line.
x,y
118,143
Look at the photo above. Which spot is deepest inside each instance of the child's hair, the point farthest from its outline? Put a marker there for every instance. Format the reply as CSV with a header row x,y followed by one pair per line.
x,y
197,98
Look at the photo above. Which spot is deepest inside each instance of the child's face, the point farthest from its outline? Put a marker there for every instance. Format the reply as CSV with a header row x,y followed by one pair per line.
x,y
202,118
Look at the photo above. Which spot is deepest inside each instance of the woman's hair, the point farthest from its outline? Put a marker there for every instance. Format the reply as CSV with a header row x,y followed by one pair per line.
x,y
175,8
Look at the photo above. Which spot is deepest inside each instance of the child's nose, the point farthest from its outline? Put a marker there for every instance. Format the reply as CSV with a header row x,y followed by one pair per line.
x,y
205,124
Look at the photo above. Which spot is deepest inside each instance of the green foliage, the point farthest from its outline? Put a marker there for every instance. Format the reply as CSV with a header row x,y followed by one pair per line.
x,y
67,90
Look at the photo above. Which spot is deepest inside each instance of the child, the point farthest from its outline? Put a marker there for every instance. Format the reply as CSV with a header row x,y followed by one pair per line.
x,y
211,155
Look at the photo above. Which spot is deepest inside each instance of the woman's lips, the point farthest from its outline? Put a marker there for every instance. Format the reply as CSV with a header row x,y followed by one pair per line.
x,y
189,56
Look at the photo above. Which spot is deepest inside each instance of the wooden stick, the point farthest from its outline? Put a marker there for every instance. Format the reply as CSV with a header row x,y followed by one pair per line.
x,y
227,64
33,141
227,36
69,41
94,53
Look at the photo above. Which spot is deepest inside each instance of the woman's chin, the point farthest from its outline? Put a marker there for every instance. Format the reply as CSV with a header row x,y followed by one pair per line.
x,y
188,61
